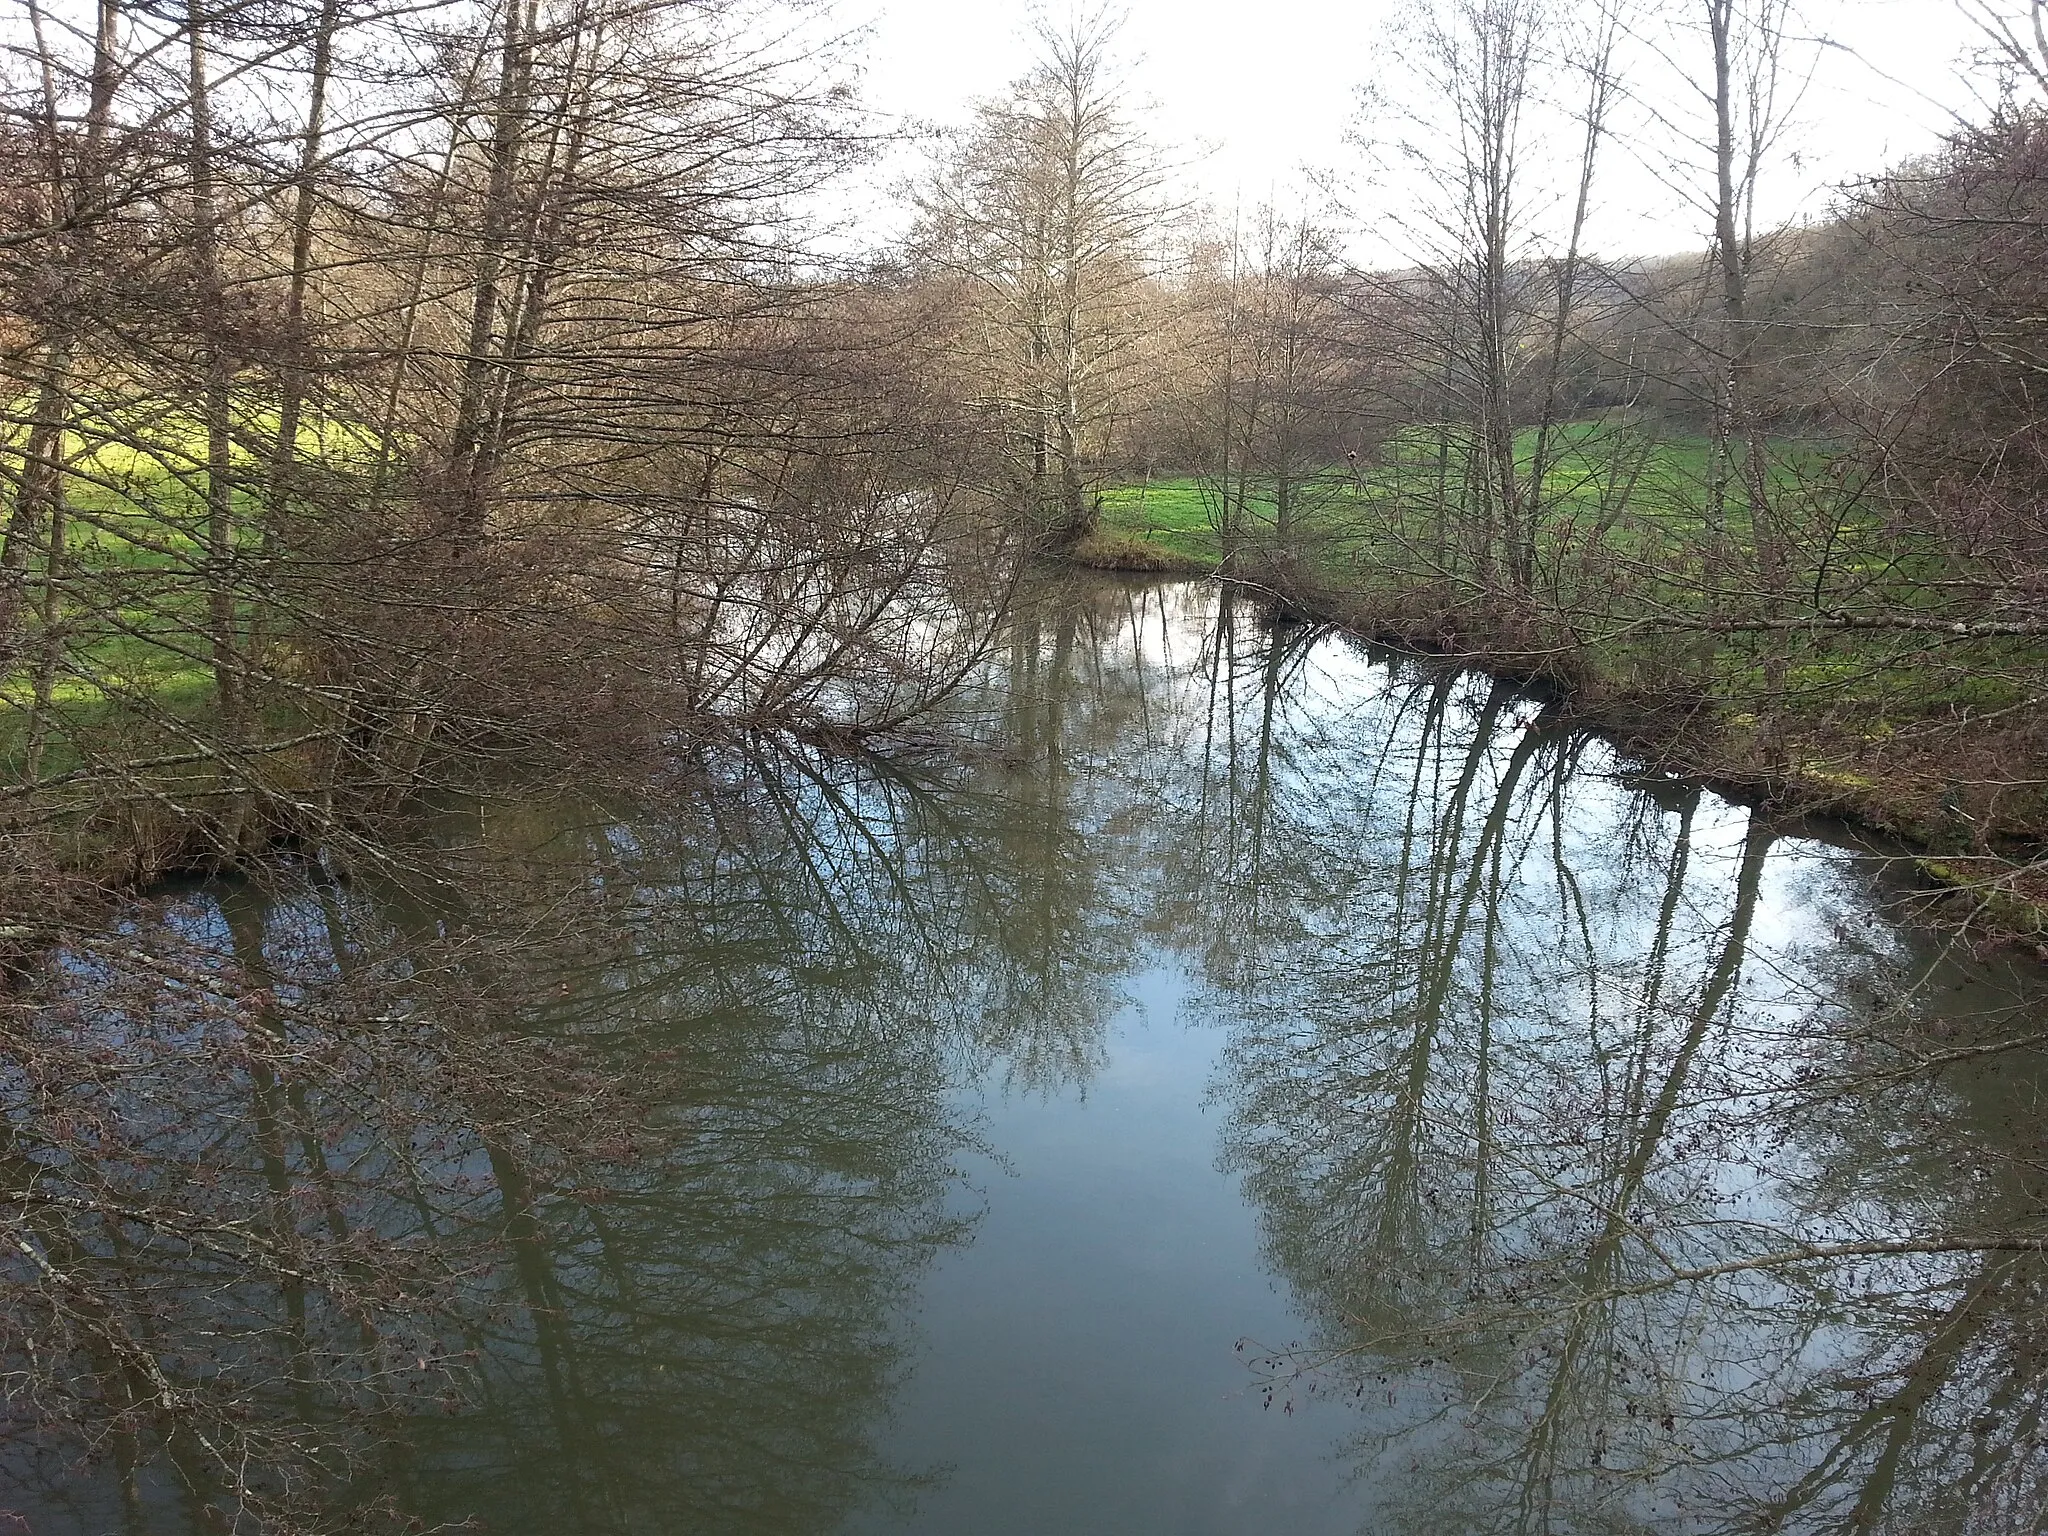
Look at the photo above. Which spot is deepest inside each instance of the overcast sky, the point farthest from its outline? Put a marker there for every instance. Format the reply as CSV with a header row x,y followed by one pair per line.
x,y
1269,86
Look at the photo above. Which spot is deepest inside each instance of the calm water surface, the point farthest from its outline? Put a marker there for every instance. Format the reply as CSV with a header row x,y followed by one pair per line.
x,y
1263,1085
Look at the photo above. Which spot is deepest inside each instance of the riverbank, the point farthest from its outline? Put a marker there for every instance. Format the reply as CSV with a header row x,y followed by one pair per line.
x,y
1166,1083
1978,848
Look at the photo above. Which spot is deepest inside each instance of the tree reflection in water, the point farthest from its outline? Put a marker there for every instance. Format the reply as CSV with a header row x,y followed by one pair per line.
x,y
1634,1175
1635,1178
578,1180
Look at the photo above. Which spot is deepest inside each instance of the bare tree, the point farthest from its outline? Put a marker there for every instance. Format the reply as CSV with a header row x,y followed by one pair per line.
x,y
1049,208
1277,412
397,385
2016,32
1751,96
1497,303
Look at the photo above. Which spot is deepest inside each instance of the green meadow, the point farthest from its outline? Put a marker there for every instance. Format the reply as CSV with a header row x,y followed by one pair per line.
x,y
1622,537
133,582
1621,548
1640,486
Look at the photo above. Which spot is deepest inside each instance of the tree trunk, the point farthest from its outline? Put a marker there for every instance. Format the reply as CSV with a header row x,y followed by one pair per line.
x,y
216,387
468,456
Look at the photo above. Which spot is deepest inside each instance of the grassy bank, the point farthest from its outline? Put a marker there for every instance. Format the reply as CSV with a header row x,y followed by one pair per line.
x,y
1921,735
115,767
130,622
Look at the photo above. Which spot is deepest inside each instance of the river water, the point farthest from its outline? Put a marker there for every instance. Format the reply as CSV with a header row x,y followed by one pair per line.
x,y
1259,1083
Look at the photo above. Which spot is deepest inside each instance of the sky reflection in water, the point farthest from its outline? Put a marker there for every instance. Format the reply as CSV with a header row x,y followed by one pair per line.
x,y
1265,1084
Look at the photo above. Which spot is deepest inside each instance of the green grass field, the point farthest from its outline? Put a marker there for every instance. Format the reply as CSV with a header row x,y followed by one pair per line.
x,y
1641,485
134,580
1623,537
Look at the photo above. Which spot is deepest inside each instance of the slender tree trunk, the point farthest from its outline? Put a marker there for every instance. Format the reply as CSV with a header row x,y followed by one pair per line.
x,y
217,399
296,372
543,247
54,635
1228,510
40,490
305,203
1076,519
467,459
1041,358
1740,453
1729,257
1288,405
387,435
1501,86
1563,313
37,493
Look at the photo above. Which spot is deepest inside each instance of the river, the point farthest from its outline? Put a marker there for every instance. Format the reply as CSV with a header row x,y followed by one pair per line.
x,y
1247,1081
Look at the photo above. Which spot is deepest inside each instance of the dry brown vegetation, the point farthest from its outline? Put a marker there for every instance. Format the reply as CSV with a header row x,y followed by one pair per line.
x,y
401,394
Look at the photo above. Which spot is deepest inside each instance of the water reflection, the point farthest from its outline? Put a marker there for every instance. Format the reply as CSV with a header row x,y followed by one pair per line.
x,y
580,1175
703,1341
1628,1171
1610,1145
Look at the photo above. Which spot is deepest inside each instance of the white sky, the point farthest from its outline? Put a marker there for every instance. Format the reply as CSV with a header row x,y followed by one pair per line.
x,y
1270,85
